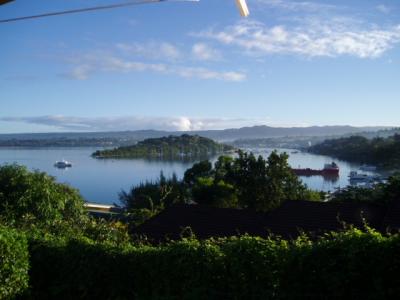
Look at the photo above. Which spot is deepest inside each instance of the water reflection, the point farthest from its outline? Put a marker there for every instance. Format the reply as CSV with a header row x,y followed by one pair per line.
x,y
326,178
174,159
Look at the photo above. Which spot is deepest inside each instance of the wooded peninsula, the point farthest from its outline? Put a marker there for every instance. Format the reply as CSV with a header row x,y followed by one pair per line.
x,y
382,152
171,147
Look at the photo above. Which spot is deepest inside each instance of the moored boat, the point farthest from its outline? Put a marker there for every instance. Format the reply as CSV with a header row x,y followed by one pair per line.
x,y
360,177
331,169
63,164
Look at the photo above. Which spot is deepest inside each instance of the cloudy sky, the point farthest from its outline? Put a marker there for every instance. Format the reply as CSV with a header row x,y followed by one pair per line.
x,y
191,66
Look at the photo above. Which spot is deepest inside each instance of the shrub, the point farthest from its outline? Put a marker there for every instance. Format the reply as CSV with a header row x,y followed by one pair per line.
x,y
81,269
36,197
354,263
14,262
252,266
154,196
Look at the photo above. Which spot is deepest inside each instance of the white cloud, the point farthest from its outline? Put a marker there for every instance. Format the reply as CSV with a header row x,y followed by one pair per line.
x,y
151,50
203,73
181,123
202,51
383,8
89,64
314,38
80,72
296,5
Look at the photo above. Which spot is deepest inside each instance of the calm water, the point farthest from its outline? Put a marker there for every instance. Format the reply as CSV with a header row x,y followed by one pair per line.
x,y
101,180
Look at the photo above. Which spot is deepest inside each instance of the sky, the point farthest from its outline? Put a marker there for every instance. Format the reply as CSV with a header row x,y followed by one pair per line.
x,y
199,65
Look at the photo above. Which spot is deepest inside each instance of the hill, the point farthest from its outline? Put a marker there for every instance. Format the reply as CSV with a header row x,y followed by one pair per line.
x,y
258,132
171,147
124,138
382,152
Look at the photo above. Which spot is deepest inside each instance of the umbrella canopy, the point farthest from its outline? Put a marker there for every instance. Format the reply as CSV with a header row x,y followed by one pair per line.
x,y
243,9
5,1
241,4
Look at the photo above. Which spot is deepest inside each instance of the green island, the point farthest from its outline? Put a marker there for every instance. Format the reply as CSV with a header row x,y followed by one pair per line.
x,y
381,152
171,147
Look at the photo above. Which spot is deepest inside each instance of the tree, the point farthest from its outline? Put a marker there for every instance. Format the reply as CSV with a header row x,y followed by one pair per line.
x,y
282,183
243,182
380,194
223,168
200,169
154,195
392,188
248,176
214,193
25,194
383,152
261,184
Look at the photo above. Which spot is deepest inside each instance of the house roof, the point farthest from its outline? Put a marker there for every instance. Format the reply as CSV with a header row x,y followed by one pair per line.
x,y
288,221
204,221
316,217
391,220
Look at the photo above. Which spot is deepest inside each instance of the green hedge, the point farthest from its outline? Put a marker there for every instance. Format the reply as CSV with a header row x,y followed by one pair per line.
x,y
356,264
349,265
14,263
84,270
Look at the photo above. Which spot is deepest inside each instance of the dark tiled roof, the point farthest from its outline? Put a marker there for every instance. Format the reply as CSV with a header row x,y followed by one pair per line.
x,y
287,221
317,217
204,221
391,220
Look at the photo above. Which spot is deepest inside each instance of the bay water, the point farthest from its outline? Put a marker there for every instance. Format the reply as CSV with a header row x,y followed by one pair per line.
x,y
101,180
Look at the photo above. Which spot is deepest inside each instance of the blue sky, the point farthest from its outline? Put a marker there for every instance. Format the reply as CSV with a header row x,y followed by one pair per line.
x,y
189,66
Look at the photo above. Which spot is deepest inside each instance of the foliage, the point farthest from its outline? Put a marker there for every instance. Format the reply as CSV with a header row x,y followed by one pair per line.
x,y
258,183
355,263
103,231
215,193
72,256
383,152
352,264
154,195
35,203
14,263
380,194
241,182
137,217
171,147
25,194
200,169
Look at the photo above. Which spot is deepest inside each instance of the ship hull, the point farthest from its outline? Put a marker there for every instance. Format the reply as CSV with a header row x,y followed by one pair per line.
x,y
314,172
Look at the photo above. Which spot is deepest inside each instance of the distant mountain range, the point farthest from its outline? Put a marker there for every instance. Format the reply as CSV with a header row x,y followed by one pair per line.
x,y
128,137
257,132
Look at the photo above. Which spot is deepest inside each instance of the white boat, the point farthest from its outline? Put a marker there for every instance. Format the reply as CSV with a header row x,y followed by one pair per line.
x,y
355,176
63,164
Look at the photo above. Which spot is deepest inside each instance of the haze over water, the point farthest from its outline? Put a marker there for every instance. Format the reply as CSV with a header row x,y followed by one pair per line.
x,y
101,180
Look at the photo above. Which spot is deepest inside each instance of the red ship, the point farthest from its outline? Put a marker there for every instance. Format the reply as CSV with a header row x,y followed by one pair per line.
x,y
331,169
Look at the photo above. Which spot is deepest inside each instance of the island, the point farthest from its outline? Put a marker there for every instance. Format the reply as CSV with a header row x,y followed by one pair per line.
x,y
170,147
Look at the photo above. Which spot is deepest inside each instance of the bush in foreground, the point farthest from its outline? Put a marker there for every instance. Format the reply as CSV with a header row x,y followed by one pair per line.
x,y
354,263
14,263
35,203
36,197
